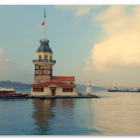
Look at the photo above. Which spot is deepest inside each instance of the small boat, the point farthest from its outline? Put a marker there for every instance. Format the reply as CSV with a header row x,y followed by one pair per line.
x,y
10,93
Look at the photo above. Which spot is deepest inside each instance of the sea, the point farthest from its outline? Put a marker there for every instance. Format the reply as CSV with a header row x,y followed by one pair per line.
x,y
112,114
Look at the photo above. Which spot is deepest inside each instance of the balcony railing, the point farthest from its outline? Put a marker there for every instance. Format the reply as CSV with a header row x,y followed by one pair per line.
x,y
44,60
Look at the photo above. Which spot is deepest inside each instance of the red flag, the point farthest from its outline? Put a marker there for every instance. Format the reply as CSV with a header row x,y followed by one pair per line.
x,y
43,23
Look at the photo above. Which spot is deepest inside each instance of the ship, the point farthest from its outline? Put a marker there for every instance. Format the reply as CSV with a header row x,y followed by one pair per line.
x,y
10,93
115,89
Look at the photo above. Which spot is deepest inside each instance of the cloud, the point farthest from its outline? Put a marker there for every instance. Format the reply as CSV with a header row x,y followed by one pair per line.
x,y
40,27
121,46
86,69
9,70
87,60
7,59
79,10
6,64
16,27
26,40
1,52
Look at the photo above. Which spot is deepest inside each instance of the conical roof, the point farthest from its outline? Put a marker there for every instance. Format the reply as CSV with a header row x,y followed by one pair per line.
x,y
44,47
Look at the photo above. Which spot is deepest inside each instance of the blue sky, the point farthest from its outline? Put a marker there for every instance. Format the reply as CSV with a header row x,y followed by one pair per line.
x,y
83,40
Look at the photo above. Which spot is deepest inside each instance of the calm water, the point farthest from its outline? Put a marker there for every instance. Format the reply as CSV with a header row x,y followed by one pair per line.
x,y
113,114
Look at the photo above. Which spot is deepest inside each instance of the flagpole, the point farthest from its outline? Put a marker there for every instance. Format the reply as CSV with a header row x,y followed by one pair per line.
x,y
44,27
44,22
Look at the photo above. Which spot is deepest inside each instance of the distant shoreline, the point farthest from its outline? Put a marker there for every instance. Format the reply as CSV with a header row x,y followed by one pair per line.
x,y
19,85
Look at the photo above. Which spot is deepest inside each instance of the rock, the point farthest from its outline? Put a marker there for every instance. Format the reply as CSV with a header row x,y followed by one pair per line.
x,y
80,94
95,96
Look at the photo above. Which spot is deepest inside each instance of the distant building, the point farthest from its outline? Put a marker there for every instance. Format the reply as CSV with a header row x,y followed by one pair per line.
x,y
45,83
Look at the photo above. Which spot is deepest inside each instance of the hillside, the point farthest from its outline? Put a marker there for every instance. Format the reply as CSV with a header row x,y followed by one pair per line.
x,y
94,88
10,84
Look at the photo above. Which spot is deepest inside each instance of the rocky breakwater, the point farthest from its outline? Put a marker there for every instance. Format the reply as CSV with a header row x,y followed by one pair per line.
x,y
94,96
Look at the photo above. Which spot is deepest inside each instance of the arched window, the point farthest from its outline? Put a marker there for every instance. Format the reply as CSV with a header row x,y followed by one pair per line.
x,y
40,57
50,57
71,82
46,57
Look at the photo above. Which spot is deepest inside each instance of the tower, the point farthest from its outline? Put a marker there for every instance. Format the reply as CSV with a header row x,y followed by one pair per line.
x,y
44,60
88,90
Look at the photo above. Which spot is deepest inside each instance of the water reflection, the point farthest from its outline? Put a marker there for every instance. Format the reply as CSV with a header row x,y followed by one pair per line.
x,y
46,112
41,114
118,115
66,103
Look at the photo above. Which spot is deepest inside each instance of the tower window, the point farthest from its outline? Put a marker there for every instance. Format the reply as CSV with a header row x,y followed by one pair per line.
x,y
40,57
50,57
46,57
71,82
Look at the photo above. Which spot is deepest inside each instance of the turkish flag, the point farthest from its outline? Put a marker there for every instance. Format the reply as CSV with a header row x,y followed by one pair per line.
x,y
43,23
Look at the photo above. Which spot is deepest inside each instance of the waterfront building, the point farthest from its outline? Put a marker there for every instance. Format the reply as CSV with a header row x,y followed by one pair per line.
x,y
44,81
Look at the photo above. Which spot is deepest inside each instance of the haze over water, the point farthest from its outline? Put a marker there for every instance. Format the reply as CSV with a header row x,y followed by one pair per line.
x,y
112,114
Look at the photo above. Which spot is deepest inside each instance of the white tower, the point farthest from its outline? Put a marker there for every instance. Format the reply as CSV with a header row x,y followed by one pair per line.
x,y
88,91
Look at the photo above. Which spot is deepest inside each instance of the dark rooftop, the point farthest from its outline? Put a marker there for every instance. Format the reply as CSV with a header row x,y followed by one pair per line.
x,y
44,47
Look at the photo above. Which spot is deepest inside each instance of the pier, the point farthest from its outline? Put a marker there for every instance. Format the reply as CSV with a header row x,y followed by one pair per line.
x,y
59,97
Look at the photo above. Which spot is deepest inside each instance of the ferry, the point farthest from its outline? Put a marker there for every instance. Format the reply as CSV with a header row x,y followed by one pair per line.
x,y
10,92
115,89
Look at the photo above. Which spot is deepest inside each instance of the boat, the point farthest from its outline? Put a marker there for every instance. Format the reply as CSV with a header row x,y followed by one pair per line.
x,y
115,89
10,93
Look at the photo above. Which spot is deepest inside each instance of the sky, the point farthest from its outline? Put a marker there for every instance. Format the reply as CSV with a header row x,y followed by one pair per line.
x,y
96,42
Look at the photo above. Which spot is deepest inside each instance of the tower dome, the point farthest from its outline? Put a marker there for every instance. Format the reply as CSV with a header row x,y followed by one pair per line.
x,y
44,47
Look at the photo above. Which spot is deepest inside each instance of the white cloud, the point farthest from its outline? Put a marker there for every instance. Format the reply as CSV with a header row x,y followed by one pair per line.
x,y
11,71
26,40
79,9
16,27
121,47
1,52
87,69
7,59
6,64
87,60
40,27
